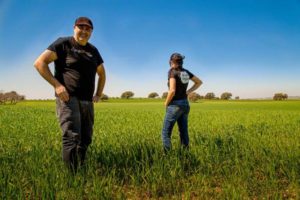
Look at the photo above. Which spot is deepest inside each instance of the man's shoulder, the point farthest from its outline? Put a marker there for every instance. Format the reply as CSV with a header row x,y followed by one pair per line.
x,y
60,44
62,40
92,46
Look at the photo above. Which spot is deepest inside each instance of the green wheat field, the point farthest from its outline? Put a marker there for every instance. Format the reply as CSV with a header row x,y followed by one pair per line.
x,y
239,150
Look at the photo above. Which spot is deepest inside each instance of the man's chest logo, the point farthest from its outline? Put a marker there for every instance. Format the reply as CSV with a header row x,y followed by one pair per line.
x,y
80,51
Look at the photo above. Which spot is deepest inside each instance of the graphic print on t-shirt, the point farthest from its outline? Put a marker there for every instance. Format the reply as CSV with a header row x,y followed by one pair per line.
x,y
184,76
70,60
81,51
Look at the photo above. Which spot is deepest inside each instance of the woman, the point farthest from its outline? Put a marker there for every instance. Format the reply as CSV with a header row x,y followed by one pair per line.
x,y
177,105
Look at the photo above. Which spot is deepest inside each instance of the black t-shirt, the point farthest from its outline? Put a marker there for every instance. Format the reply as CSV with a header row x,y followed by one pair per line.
x,y
182,77
76,66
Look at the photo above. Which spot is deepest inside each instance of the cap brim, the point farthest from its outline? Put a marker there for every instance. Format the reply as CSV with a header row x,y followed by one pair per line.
x,y
84,24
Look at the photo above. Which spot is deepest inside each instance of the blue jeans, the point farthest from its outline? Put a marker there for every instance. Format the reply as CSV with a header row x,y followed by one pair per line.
x,y
76,120
177,111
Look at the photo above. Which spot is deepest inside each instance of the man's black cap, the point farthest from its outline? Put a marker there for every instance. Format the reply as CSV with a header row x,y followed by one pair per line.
x,y
84,21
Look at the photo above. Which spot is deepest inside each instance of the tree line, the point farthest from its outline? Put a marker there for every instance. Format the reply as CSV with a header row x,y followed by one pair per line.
x,y
280,96
195,96
10,97
13,97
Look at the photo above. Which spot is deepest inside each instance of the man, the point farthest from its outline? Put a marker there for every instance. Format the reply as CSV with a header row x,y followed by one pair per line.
x,y
76,64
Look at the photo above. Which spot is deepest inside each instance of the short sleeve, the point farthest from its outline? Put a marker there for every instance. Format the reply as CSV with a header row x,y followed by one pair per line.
x,y
191,75
57,46
171,74
99,58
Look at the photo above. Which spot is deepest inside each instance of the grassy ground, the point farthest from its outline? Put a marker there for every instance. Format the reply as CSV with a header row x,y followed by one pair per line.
x,y
239,150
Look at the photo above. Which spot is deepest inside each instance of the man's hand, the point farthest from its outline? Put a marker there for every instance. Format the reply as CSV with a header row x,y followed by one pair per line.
x,y
62,93
96,99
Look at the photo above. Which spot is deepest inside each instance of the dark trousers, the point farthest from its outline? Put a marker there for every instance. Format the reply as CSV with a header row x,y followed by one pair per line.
x,y
177,111
76,120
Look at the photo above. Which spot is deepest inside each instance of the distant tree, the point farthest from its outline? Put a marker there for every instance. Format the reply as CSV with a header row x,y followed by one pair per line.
x,y
226,96
12,97
153,95
210,95
164,95
2,101
237,98
21,98
127,95
104,97
280,96
193,97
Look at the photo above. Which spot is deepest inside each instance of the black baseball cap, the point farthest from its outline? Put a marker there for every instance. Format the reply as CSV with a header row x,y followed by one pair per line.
x,y
177,57
84,21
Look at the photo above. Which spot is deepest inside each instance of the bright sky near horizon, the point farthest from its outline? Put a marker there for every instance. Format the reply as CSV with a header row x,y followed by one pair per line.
x,y
250,48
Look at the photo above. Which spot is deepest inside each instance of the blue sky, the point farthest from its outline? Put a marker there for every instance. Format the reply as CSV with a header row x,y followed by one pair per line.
x,y
250,48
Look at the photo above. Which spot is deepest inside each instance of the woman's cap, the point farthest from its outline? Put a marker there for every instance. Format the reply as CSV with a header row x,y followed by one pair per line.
x,y
177,57
84,21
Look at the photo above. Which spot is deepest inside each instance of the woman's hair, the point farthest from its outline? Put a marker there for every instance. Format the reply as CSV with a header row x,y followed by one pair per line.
x,y
177,58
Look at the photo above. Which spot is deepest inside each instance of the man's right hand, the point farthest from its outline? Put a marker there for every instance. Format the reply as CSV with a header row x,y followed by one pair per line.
x,y
62,93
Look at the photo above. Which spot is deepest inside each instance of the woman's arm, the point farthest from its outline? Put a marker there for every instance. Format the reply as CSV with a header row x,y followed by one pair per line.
x,y
171,92
197,83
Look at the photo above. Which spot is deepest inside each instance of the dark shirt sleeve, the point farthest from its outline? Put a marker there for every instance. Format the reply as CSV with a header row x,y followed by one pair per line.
x,y
191,75
171,74
99,58
57,47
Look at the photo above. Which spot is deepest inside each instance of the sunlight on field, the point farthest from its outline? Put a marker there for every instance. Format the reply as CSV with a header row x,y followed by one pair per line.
x,y
239,149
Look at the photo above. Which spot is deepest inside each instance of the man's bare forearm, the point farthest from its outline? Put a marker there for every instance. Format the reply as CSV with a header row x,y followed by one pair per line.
x,y
101,80
45,72
100,87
